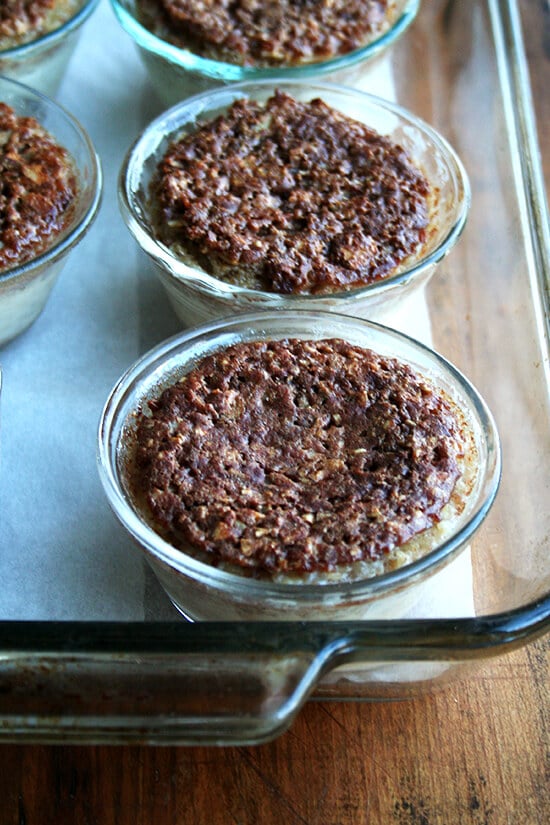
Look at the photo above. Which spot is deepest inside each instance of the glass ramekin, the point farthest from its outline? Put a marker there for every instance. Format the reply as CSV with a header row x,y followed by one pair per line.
x,y
202,592
24,289
41,63
177,73
197,296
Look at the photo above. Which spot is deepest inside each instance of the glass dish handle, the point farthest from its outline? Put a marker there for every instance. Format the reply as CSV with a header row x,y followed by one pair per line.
x,y
212,683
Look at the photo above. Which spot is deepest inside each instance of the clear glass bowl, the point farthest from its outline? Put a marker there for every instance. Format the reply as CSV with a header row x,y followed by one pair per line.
x,y
396,300
177,73
24,289
202,592
41,63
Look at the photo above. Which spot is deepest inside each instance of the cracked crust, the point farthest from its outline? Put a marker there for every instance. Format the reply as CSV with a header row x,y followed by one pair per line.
x,y
290,197
298,457
259,33
37,187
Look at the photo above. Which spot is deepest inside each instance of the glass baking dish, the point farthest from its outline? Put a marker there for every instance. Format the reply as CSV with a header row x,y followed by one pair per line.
x,y
115,678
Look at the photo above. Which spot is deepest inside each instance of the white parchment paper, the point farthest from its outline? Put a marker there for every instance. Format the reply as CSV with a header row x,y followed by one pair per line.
x,y
62,553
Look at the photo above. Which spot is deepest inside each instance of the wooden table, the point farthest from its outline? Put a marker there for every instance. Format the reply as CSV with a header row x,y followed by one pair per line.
x,y
475,754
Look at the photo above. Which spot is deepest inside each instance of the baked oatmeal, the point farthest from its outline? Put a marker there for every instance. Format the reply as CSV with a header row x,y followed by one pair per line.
x,y
290,197
300,457
260,33
22,21
38,186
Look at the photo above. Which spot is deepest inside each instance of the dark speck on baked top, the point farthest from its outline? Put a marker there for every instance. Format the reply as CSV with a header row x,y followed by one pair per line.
x,y
290,197
296,456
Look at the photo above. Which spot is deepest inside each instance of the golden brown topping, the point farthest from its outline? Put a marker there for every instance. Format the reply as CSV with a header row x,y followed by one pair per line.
x,y
37,188
17,17
290,197
256,32
24,20
297,455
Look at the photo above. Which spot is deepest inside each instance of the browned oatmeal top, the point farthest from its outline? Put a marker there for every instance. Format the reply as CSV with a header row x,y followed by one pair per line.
x,y
24,20
37,187
264,33
18,17
296,456
290,197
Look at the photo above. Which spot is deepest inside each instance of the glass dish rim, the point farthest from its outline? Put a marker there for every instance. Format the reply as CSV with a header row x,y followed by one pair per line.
x,y
67,239
219,70
51,37
181,113
179,561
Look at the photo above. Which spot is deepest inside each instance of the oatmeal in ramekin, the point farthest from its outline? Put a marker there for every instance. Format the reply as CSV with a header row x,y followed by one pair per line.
x,y
297,465
298,196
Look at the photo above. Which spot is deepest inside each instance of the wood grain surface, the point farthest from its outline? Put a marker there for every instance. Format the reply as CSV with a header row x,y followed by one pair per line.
x,y
474,754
